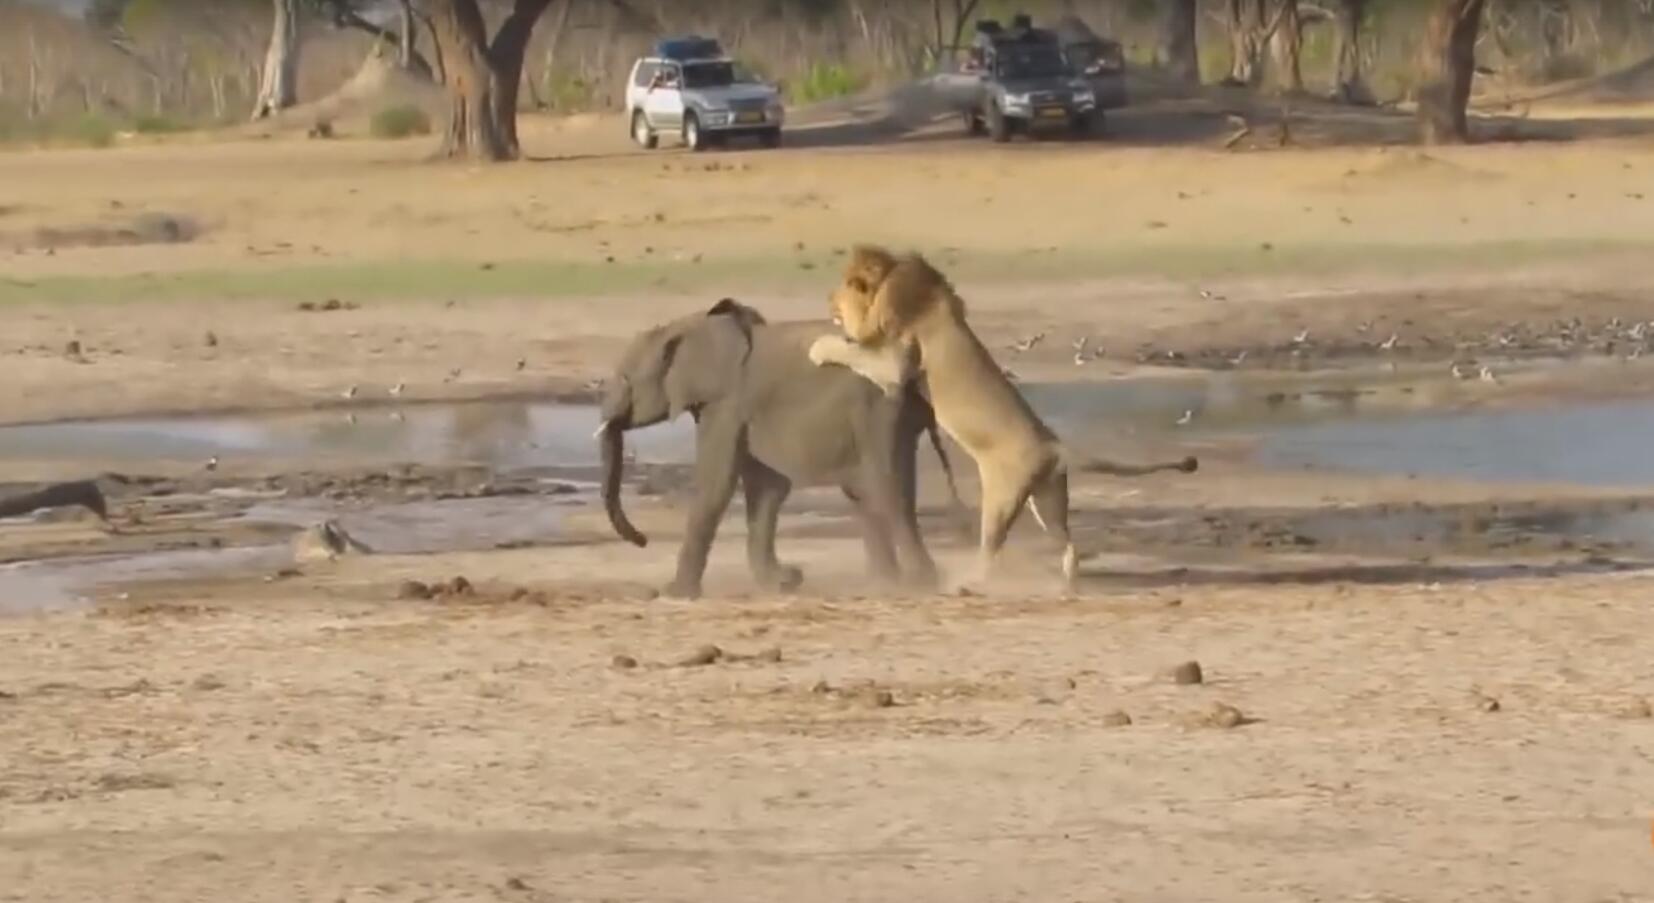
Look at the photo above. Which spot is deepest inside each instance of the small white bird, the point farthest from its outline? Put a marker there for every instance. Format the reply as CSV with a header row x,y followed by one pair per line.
x,y
1637,332
1365,326
592,385
1081,342
1239,358
398,389
350,419
1079,358
1389,343
1009,374
1301,337
398,416
212,463
1460,372
1486,374
349,393
1187,417
1028,343
1635,353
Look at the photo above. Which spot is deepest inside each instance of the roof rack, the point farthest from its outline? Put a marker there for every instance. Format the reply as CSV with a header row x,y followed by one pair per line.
x,y
689,47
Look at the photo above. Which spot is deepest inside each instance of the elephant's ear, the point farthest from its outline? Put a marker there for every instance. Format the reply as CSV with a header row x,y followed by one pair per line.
x,y
744,317
733,308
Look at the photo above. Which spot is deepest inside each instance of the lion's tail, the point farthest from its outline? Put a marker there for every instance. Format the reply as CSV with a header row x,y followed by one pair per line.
x,y
1098,465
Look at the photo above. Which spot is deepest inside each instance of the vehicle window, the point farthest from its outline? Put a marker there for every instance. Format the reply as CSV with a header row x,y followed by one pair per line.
x,y
1081,56
645,71
1036,61
708,75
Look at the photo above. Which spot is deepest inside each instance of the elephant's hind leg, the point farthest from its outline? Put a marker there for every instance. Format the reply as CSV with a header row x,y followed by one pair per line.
x,y
875,535
766,490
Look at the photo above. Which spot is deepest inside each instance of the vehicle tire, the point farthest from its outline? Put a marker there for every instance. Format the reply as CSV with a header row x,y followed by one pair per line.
x,y
642,133
770,137
693,137
999,128
1079,125
973,123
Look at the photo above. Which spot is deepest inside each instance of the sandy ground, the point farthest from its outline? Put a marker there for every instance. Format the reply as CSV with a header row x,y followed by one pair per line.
x,y
1412,733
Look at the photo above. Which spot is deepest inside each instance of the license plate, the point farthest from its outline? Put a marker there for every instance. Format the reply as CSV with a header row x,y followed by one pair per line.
x,y
749,117
1052,113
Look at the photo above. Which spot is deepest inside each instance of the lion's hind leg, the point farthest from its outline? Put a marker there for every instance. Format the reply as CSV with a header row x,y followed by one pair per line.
x,y
1049,505
885,365
1002,500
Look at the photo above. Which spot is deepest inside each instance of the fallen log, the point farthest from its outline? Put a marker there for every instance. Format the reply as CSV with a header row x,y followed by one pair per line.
x,y
84,493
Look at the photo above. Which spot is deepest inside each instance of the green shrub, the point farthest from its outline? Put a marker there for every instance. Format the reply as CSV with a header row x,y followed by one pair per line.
x,y
567,93
399,122
825,81
93,130
156,124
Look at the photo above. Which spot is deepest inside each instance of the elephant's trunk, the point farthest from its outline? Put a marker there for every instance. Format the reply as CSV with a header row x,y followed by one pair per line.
x,y
612,436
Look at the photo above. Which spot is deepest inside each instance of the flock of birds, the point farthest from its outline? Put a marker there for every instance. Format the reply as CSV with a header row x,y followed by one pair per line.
x,y
1616,337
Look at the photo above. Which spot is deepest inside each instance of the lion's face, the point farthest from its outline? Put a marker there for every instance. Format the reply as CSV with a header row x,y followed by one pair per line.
x,y
853,298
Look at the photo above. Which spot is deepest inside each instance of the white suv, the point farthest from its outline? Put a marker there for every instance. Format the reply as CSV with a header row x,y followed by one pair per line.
x,y
690,87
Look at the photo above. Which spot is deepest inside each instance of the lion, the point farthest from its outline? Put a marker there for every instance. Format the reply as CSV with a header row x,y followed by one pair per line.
x,y
901,318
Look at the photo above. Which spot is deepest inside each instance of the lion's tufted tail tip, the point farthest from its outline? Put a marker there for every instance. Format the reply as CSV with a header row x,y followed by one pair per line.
x,y
1189,464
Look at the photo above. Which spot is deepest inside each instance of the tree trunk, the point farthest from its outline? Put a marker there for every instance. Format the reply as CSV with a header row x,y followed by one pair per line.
x,y
1349,82
962,12
471,131
483,79
1179,53
506,57
278,85
1286,43
1447,63
1245,22
407,35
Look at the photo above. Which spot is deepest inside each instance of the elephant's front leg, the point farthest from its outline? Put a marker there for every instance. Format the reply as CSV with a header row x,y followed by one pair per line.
x,y
719,443
887,366
766,490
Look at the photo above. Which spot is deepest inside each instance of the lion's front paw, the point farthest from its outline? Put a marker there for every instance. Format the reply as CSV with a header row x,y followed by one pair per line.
x,y
825,350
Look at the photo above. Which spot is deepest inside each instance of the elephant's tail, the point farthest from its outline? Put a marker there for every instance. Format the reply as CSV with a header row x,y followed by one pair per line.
x,y
960,511
942,455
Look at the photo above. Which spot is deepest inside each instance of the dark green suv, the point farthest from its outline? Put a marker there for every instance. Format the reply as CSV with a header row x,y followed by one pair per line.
x,y
1018,80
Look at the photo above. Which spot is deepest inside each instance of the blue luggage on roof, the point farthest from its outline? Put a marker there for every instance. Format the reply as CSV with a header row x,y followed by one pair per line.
x,y
689,47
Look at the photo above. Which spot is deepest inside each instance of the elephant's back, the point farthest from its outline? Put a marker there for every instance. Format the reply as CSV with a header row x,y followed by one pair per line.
x,y
781,374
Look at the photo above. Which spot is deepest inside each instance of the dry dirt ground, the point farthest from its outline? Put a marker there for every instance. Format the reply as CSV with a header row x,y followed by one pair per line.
x,y
556,733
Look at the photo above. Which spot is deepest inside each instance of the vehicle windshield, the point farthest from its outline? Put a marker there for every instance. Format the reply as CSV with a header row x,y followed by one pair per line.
x,y
709,75
1083,55
1036,61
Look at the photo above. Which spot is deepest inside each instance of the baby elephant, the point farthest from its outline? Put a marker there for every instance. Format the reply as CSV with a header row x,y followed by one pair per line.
x,y
766,416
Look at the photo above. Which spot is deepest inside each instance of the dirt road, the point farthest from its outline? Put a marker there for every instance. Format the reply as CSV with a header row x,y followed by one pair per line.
x,y
318,739
1423,726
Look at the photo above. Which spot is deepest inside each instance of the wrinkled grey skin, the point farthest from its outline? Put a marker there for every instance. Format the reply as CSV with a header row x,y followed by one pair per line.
x,y
770,419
